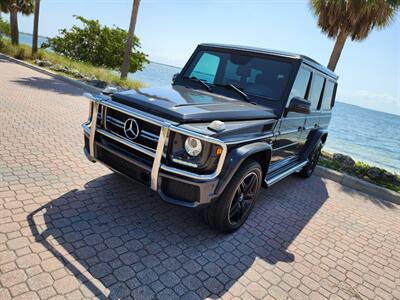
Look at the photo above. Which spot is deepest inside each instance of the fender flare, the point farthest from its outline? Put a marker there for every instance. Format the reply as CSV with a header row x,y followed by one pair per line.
x,y
237,156
314,137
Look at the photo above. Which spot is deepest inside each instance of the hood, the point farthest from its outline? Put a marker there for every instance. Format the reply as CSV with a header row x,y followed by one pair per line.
x,y
184,105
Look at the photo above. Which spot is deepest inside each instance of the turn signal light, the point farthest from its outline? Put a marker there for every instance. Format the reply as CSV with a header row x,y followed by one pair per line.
x,y
218,151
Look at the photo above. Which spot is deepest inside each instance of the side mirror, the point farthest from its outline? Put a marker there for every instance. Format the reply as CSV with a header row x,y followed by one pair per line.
x,y
299,105
174,77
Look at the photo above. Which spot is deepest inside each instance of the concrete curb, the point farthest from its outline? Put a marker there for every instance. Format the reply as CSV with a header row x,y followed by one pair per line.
x,y
359,185
71,81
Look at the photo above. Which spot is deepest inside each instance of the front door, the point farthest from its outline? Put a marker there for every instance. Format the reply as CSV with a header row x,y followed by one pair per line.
x,y
286,145
289,138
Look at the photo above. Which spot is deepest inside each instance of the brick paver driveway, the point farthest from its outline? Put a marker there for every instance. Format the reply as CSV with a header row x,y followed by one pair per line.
x,y
73,229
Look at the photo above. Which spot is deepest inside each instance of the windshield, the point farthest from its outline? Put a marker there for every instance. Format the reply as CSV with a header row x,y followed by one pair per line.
x,y
251,74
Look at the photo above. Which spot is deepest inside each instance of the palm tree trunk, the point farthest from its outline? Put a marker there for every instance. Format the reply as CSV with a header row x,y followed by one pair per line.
x,y
128,45
35,28
337,50
14,26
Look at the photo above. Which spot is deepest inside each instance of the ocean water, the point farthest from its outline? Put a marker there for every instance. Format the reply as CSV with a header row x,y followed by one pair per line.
x,y
25,38
366,135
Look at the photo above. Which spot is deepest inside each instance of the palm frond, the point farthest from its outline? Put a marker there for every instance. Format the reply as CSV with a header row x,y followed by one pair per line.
x,y
354,17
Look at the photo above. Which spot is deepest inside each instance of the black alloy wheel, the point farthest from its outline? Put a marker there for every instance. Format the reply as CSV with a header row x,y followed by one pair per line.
x,y
244,198
309,168
234,206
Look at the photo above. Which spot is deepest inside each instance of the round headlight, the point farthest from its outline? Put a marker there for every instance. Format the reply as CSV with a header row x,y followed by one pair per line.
x,y
193,146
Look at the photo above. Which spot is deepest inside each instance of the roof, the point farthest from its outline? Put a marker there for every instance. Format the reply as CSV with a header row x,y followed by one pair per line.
x,y
294,56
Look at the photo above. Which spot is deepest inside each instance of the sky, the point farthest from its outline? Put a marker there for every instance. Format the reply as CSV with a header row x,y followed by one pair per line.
x,y
169,30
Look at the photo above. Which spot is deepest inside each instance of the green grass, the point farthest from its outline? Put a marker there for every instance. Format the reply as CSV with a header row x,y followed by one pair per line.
x,y
24,52
360,170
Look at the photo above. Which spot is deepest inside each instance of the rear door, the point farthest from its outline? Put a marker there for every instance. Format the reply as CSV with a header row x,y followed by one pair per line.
x,y
315,97
327,102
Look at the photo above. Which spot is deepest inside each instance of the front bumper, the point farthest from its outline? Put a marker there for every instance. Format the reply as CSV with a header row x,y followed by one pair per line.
x,y
175,186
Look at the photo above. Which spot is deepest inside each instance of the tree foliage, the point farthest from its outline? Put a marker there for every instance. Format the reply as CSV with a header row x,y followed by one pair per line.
x,y
13,7
354,18
4,28
96,44
22,6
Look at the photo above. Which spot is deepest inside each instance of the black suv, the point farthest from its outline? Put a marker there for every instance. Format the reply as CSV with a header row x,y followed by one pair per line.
x,y
234,119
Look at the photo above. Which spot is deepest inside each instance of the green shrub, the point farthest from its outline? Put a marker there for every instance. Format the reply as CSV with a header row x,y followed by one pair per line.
x,y
2,43
98,45
361,168
21,54
4,28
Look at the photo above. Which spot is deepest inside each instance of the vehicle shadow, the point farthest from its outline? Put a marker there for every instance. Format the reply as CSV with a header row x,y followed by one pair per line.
x,y
121,235
50,84
378,202
54,83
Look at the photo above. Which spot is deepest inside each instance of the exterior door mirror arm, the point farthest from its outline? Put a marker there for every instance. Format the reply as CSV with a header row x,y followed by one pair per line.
x,y
174,77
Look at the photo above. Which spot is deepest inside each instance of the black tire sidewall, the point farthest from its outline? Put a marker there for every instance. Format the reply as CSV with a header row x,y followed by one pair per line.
x,y
224,202
308,170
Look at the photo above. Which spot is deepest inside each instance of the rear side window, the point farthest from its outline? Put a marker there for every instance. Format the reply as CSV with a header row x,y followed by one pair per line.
x,y
206,68
327,99
316,90
301,84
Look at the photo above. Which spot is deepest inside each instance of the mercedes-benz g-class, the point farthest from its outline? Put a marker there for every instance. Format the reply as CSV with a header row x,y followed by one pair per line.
x,y
233,120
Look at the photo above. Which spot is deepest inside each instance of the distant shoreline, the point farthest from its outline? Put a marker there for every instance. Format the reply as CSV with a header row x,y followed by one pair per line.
x,y
374,110
167,65
41,36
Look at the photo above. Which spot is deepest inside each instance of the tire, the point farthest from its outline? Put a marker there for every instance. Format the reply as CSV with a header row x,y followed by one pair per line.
x,y
233,207
309,168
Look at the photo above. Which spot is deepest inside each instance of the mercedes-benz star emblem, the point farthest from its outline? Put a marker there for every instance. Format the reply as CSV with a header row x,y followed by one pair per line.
x,y
131,129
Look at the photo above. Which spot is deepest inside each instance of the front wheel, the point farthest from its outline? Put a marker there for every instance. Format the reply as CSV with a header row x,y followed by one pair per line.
x,y
233,207
309,168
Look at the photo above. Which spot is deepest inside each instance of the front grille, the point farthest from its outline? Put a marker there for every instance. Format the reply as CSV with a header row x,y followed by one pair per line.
x,y
100,114
148,132
127,168
127,151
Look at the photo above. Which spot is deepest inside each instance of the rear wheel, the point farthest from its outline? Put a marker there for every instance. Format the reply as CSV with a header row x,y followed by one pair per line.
x,y
233,207
309,168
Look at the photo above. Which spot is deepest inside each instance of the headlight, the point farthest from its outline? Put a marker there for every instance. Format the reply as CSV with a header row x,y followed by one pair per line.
x,y
193,146
189,153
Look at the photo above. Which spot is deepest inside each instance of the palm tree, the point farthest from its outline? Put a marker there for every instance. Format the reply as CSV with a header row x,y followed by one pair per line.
x,y
13,7
35,28
128,45
340,19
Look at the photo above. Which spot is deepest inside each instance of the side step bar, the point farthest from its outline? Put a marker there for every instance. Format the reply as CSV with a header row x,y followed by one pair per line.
x,y
280,176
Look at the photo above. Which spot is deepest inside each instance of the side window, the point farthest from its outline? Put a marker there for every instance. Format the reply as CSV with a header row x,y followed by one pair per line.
x,y
301,84
316,90
206,67
328,95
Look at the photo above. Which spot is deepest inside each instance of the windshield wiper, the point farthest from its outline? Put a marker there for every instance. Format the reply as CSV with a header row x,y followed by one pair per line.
x,y
194,78
239,91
